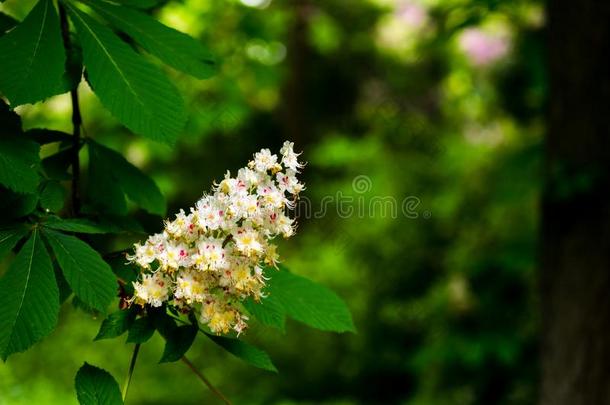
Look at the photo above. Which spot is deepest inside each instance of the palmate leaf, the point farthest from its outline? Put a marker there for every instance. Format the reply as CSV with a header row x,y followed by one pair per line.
x,y
140,188
14,205
18,163
174,48
56,166
52,196
33,57
116,324
95,386
177,342
29,298
244,351
103,190
76,225
9,237
88,275
142,4
135,91
305,301
141,330
269,311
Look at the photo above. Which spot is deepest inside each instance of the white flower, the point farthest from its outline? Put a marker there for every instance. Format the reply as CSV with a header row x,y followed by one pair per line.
x,y
289,158
152,290
210,213
189,287
247,241
264,160
210,259
213,254
144,255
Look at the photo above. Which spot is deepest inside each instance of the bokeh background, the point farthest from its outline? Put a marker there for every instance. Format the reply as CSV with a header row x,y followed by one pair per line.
x,y
436,102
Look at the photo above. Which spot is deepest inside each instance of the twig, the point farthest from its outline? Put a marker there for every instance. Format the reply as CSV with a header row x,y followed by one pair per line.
x,y
205,380
132,366
77,120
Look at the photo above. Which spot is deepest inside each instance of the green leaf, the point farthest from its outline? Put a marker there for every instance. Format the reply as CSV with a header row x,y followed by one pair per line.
x,y
62,285
88,274
52,196
140,188
77,225
77,303
164,323
173,47
95,386
116,324
269,311
143,4
44,136
103,190
141,330
18,162
244,351
310,303
178,341
135,91
6,23
118,224
9,238
29,299
33,57
56,166
127,271
10,122
13,205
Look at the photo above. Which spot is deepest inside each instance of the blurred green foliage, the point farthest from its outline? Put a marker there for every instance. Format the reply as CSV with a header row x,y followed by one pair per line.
x,y
436,102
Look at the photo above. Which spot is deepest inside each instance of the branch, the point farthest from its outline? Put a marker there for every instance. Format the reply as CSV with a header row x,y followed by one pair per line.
x,y
205,380
132,366
76,117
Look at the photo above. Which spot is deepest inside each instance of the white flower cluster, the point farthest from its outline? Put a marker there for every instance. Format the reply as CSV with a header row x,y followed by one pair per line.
x,y
213,257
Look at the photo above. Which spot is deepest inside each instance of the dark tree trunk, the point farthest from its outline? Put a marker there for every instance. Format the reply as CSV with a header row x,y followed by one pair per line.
x,y
575,274
294,114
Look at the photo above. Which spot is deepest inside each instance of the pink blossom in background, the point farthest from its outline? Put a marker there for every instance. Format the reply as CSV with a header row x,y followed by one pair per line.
x,y
412,14
483,48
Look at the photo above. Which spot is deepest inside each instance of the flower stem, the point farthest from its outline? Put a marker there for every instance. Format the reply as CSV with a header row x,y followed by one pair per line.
x,y
205,381
132,365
